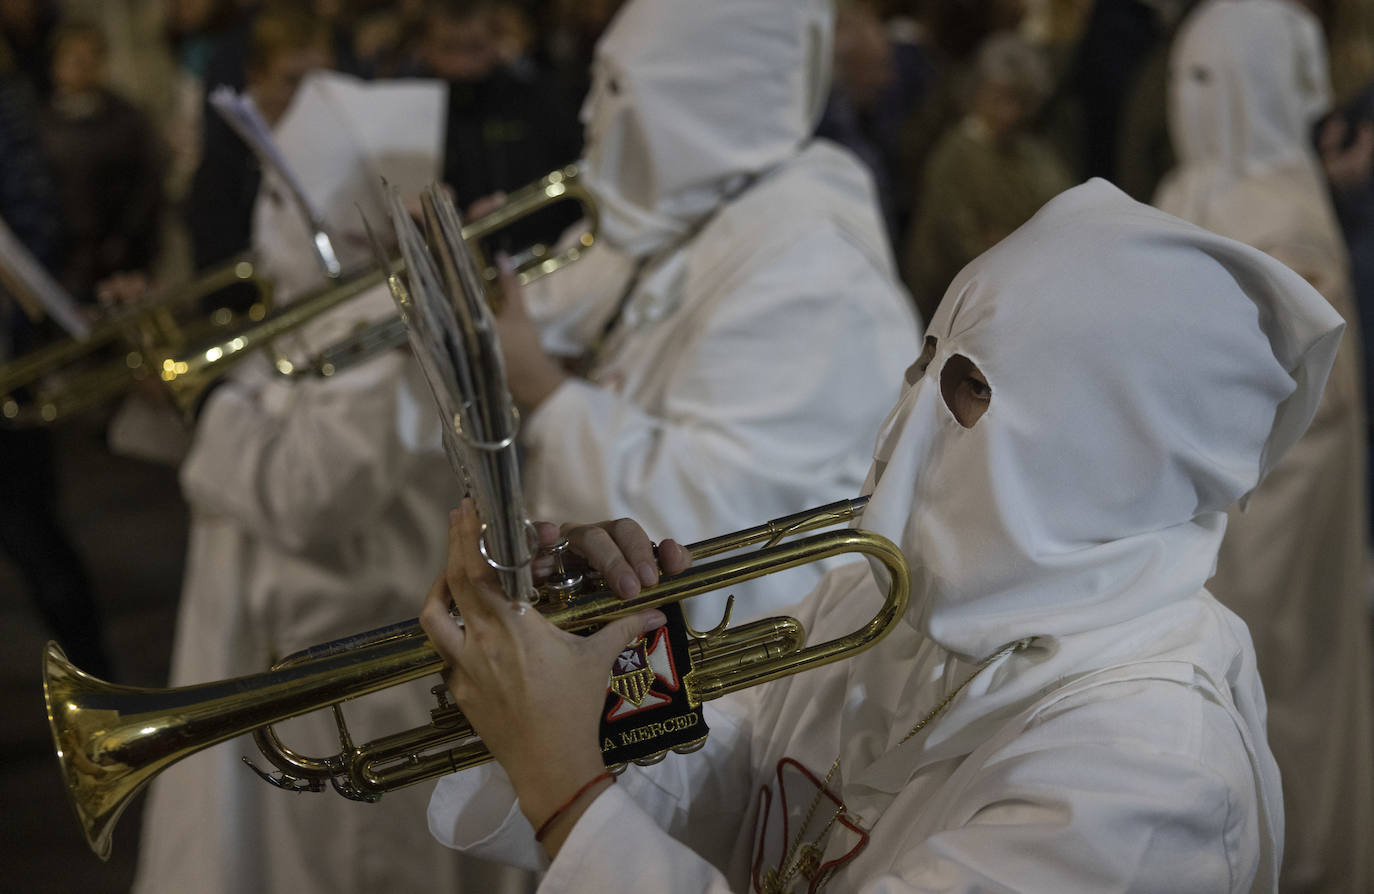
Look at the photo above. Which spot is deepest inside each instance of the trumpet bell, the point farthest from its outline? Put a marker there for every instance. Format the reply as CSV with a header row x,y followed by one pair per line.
x,y
112,739
88,720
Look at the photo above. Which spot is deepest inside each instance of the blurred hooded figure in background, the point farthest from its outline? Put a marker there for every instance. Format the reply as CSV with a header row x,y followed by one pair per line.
x,y
315,506
1294,562
1063,706
739,323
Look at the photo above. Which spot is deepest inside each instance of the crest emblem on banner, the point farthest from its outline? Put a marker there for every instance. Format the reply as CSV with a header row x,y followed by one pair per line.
x,y
638,671
648,712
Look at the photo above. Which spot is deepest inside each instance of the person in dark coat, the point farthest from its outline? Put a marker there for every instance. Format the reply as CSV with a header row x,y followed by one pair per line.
x,y
31,533
107,162
505,129
282,46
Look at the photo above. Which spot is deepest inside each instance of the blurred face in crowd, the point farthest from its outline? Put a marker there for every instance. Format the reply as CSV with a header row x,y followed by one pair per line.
x,y
188,16
513,35
273,83
19,18
863,54
460,49
1003,109
78,64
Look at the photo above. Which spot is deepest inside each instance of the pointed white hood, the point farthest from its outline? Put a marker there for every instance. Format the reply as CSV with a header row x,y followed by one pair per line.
x,y
689,99
1134,398
1144,374
1247,79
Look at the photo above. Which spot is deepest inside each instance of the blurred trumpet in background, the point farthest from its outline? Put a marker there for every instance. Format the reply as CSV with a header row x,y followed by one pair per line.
x,y
54,382
188,375
173,340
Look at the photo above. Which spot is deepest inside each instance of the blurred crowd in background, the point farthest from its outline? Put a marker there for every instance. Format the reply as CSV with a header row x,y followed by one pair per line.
x,y
969,113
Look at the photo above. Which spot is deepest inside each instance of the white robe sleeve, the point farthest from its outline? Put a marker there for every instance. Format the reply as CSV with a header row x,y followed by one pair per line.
x,y
572,307
1082,802
742,428
301,463
696,796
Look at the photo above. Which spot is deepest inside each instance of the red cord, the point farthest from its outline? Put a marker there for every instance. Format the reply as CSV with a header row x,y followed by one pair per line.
x,y
544,829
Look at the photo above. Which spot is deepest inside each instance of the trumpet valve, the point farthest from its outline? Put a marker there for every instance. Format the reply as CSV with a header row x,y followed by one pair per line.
x,y
562,584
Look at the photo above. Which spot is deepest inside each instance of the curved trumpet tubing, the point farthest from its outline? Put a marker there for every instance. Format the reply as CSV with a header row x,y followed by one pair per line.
x,y
111,739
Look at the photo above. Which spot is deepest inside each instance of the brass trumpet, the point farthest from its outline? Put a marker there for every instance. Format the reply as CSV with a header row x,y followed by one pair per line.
x,y
187,376
156,344
170,322
111,739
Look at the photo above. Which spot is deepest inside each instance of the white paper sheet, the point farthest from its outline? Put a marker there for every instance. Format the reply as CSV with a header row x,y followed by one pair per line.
x,y
24,277
343,136
339,138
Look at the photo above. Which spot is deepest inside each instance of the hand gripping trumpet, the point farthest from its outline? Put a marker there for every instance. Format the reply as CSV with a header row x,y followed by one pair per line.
x,y
111,739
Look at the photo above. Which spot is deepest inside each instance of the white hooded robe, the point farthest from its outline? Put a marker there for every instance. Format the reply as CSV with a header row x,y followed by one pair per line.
x,y
754,355
318,510
1294,564
1123,748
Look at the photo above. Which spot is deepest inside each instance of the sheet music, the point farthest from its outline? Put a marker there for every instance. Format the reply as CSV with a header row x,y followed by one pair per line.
x,y
24,277
242,115
398,125
341,136
454,338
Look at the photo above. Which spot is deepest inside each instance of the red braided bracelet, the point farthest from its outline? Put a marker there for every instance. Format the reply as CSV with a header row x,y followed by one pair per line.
x,y
544,829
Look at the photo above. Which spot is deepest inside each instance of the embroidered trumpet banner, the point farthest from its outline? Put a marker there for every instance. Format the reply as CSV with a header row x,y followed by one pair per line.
x,y
647,713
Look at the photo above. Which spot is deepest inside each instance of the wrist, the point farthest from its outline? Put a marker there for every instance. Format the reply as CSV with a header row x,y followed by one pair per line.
x,y
531,390
555,830
544,787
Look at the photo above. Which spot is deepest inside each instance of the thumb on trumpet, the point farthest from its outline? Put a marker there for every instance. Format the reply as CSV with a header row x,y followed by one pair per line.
x,y
612,639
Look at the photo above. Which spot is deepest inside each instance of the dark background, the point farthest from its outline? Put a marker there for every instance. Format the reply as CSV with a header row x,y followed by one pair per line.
x,y
129,522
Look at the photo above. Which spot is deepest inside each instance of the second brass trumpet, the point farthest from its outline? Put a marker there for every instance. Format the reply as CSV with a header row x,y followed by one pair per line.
x,y
187,375
50,384
171,340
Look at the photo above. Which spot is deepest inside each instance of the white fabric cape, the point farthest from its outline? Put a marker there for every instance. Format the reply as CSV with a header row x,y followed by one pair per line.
x,y
745,379
759,345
